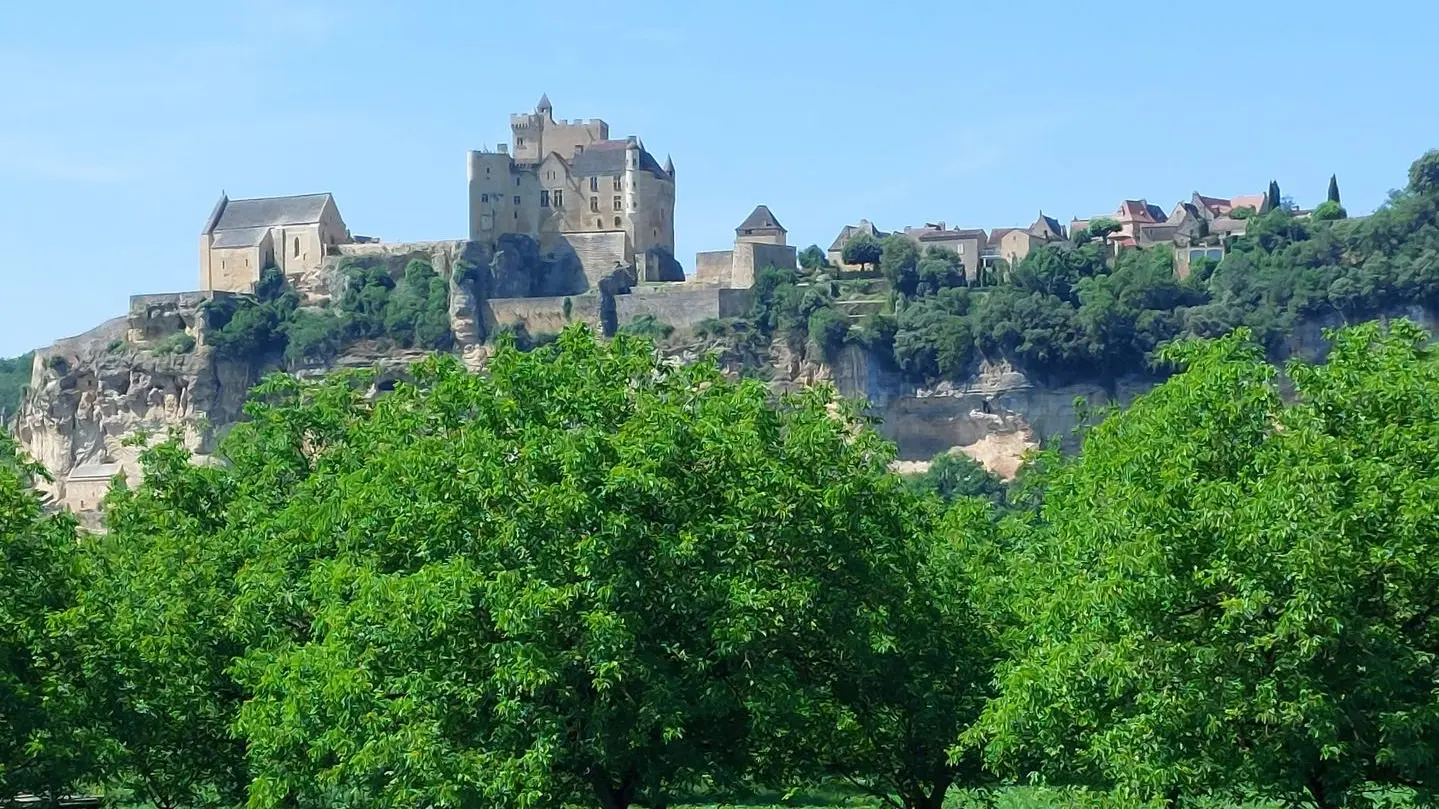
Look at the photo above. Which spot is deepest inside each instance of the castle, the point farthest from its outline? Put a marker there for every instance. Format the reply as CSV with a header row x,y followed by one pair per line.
x,y
584,198
573,189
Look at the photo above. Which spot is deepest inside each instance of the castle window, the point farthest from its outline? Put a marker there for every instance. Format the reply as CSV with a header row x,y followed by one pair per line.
x,y
619,203
297,247
519,141
544,199
484,198
599,224
657,233
559,198
594,204
594,183
517,199
517,182
619,183
617,221
517,214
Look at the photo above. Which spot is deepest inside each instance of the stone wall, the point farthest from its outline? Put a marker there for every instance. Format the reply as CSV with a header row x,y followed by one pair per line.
x,y
155,317
714,267
682,307
540,315
598,253
750,257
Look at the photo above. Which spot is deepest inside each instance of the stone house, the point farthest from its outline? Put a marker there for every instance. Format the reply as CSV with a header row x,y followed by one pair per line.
x,y
1011,245
835,253
244,236
760,242
1131,216
568,185
968,243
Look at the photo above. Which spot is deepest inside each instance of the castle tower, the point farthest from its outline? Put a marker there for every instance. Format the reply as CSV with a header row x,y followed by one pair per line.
x,y
537,134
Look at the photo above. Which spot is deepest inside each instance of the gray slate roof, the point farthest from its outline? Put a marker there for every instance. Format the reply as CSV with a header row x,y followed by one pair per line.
x,y
239,237
608,157
266,212
760,219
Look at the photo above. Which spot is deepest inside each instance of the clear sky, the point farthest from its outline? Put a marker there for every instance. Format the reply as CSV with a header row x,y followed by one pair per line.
x,y
120,123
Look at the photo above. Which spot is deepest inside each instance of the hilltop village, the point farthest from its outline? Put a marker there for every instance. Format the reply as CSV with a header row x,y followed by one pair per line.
x,y
605,204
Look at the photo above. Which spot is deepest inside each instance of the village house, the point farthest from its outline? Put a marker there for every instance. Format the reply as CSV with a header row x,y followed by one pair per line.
x,y
1011,245
968,243
835,253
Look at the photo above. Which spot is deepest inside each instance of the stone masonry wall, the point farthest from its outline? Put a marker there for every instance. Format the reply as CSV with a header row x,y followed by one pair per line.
x,y
682,308
540,315
598,252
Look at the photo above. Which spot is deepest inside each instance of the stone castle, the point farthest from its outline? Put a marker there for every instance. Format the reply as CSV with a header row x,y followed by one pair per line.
x,y
591,205
573,189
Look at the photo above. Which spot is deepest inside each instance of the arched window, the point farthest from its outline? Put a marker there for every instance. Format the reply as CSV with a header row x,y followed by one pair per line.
x,y
297,247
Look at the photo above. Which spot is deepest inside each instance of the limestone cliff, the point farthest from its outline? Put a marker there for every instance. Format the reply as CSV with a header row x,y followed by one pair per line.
x,y
152,372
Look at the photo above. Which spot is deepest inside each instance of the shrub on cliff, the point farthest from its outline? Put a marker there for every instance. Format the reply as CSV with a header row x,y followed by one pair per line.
x,y
240,327
648,327
413,313
14,376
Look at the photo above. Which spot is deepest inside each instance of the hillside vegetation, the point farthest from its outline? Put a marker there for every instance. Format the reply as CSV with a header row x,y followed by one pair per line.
x,y
1069,310
14,376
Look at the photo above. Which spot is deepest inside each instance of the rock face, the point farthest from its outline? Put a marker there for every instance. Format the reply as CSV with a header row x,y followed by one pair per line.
x,y
151,372
90,393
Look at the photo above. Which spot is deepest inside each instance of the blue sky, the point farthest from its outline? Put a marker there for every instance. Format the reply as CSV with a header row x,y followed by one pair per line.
x,y
120,123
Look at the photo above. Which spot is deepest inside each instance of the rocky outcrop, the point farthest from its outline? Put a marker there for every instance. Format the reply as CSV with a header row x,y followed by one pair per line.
x,y
151,372
90,393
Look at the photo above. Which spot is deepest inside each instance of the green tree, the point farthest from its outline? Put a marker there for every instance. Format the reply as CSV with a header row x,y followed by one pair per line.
x,y
1328,211
150,641
899,704
586,575
416,313
1333,195
14,376
828,328
1098,230
1227,594
1274,199
952,475
939,269
862,249
812,259
899,261
40,741
1424,174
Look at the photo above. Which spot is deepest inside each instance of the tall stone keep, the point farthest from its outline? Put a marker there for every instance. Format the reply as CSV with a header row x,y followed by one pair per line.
x,y
570,186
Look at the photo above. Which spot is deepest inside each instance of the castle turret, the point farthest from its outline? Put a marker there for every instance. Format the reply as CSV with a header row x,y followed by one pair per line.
x,y
669,167
545,107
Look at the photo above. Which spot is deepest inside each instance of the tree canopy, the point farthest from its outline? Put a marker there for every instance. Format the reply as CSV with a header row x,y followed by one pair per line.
x,y
1227,592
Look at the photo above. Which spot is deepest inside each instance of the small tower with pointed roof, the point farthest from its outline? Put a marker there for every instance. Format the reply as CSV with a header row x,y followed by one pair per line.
x,y
760,227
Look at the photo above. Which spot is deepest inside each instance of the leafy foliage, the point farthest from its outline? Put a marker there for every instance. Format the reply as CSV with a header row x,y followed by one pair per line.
x,y
862,249
585,574
1227,592
648,327
150,643
40,726
953,475
14,376
241,327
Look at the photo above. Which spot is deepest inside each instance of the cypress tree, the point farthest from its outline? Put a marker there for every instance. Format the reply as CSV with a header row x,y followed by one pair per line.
x,y
1334,189
1273,195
